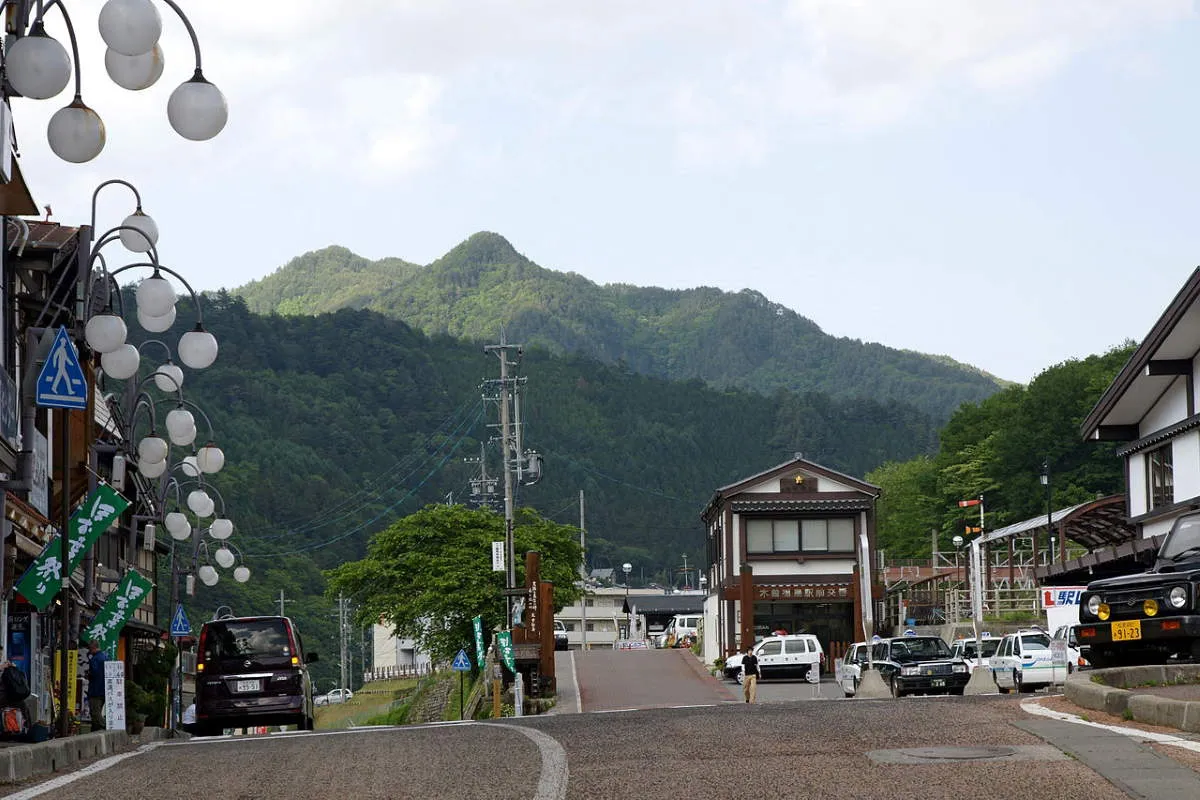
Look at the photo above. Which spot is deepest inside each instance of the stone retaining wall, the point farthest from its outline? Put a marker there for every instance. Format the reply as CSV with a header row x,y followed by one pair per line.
x,y
1110,694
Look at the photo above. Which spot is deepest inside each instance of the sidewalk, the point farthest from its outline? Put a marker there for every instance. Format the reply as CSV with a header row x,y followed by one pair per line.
x,y
19,762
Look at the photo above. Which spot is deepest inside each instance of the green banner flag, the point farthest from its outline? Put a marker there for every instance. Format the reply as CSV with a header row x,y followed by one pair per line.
x,y
95,515
477,625
505,646
117,609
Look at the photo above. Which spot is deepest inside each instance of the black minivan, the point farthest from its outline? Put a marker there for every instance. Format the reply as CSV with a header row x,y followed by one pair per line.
x,y
252,671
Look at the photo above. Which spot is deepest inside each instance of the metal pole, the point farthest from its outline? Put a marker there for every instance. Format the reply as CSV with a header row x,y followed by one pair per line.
x,y
64,675
1049,519
510,575
583,569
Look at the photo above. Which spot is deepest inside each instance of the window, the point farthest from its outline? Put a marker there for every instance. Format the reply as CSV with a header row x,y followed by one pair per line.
x,y
589,602
1160,480
591,626
800,536
771,648
797,646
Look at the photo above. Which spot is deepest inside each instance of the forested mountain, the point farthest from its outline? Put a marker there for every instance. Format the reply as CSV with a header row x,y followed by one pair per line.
x,y
336,425
997,448
728,340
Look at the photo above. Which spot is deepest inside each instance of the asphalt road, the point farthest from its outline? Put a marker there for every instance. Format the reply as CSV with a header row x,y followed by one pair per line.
x,y
785,749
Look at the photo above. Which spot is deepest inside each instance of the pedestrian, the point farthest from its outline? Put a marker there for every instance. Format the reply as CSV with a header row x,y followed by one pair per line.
x,y
750,674
189,719
96,661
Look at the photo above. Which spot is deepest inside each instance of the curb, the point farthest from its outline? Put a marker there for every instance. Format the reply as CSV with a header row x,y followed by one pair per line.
x,y
24,761
1111,698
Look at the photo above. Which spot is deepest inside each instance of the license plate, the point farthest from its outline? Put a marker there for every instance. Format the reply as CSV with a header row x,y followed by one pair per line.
x,y
936,682
1127,631
247,686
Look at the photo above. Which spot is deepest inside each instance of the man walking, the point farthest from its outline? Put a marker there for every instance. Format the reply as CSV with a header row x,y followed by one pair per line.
x,y
750,674
96,660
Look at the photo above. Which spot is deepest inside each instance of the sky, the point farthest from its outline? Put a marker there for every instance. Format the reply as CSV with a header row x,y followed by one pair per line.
x,y
1010,184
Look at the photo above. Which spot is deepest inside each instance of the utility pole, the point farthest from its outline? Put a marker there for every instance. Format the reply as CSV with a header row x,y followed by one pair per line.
x,y
510,569
583,572
342,637
281,603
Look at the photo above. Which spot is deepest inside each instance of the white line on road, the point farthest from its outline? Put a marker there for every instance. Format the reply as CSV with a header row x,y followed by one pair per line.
x,y
90,769
575,684
552,784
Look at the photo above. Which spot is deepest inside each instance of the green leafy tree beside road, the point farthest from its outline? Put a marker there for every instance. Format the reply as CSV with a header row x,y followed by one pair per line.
x,y
428,574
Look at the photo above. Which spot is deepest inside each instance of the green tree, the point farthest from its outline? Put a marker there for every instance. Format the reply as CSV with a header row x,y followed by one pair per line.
x,y
429,573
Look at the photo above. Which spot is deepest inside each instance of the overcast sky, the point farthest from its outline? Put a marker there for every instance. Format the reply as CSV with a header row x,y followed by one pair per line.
x,y
1009,183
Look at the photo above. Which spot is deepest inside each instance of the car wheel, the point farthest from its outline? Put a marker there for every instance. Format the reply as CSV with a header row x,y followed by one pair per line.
x,y
1022,687
208,730
740,678
1070,668
897,692
958,690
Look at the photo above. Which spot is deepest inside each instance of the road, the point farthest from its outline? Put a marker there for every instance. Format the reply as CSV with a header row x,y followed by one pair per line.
x,y
654,725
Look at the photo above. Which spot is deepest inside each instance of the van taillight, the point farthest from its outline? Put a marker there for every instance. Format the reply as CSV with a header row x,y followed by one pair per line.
x,y
292,642
200,650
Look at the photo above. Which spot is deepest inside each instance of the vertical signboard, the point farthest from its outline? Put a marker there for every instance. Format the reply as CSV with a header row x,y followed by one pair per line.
x,y
477,627
497,556
39,494
114,695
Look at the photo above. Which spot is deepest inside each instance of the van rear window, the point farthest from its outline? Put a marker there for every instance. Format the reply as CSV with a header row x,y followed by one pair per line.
x,y
248,638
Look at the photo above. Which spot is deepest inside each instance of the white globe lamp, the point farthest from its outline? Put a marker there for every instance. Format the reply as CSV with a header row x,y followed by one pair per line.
x,y
76,133
131,27
177,525
208,575
241,574
155,296
168,377
134,72
220,528
152,469
152,449
38,66
197,110
156,324
198,348
105,332
179,422
224,557
121,363
210,458
189,467
143,236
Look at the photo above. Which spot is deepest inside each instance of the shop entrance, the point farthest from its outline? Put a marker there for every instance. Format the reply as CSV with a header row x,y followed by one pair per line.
x,y
830,622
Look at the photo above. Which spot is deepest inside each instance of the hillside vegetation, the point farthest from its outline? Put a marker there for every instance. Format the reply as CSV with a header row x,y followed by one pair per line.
x,y
728,340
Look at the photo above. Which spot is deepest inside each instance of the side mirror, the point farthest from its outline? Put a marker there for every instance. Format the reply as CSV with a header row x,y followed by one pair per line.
x,y
310,658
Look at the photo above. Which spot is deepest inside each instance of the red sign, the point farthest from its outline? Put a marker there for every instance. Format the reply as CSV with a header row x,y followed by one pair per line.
x,y
965,503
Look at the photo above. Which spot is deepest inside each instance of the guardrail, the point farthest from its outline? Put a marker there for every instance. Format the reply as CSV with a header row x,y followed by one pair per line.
x,y
401,671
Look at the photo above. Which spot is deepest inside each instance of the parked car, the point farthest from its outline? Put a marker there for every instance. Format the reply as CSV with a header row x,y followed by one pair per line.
x,y
681,631
1148,617
252,671
920,665
977,655
1023,662
797,656
848,670
1075,657
560,635
338,696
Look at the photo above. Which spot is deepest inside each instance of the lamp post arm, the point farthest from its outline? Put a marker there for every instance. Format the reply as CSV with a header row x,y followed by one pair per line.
x,y
114,234
187,23
70,35
136,196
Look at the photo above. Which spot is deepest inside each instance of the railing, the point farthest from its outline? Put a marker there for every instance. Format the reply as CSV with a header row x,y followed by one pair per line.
x,y
400,671
950,602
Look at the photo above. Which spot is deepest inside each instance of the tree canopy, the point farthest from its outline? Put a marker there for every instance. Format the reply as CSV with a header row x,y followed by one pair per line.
x,y
430,573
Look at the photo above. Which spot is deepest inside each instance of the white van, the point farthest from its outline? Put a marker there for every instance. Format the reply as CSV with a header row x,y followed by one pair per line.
x,y
681,628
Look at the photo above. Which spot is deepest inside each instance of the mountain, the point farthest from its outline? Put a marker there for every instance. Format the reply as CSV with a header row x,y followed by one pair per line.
x,y
726,339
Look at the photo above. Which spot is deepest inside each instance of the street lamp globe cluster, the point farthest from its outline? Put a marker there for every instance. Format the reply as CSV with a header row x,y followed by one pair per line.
x,y
161,445
39,67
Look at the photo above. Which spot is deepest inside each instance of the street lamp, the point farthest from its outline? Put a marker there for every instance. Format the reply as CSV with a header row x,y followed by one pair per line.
x,y
627,568
39,67
1045,481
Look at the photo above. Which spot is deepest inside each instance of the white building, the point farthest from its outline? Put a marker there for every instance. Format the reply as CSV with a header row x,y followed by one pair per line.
x,y
601,620
789,549
389,652
1150,408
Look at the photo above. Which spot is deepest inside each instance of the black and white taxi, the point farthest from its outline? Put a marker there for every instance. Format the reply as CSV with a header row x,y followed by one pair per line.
x,y
913,664
794,656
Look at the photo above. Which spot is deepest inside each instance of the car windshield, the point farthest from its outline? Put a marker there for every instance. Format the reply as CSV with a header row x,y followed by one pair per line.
x,y
1183,538
919,649
246,638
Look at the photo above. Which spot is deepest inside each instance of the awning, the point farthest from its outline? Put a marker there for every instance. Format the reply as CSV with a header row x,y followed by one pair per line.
x,y
1094,524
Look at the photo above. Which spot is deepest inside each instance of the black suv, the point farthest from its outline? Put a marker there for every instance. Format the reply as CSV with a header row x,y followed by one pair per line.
x,y
252,671
919,665
1149,617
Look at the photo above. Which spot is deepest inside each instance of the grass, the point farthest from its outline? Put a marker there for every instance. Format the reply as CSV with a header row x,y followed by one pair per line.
x,y
375,699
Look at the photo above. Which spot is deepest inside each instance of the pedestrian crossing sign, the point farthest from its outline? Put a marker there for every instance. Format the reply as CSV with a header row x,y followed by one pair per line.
x,y
461,662
179,623
61,384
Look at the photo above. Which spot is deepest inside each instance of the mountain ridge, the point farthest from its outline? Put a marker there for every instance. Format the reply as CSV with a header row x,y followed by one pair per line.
x,y
727,339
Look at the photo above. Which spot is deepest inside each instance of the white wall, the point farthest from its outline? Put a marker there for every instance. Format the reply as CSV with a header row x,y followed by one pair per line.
x,y
1185,459
1137,484
1171,408
809,567
388,651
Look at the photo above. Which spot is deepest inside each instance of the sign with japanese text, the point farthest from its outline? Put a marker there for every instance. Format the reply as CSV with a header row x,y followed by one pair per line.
x,y
477,626
96,514
114,695
72,669
117,609
504,645
823,593
1058,596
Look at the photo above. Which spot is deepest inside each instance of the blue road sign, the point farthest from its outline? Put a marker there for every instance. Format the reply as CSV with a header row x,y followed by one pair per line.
x,y
461,662
179,623
61,384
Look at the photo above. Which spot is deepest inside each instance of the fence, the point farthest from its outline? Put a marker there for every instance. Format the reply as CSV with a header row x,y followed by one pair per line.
x,y
950,603
400,671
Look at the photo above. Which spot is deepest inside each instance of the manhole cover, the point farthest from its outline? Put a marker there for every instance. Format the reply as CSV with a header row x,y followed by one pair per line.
x,y
959,753
947,755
